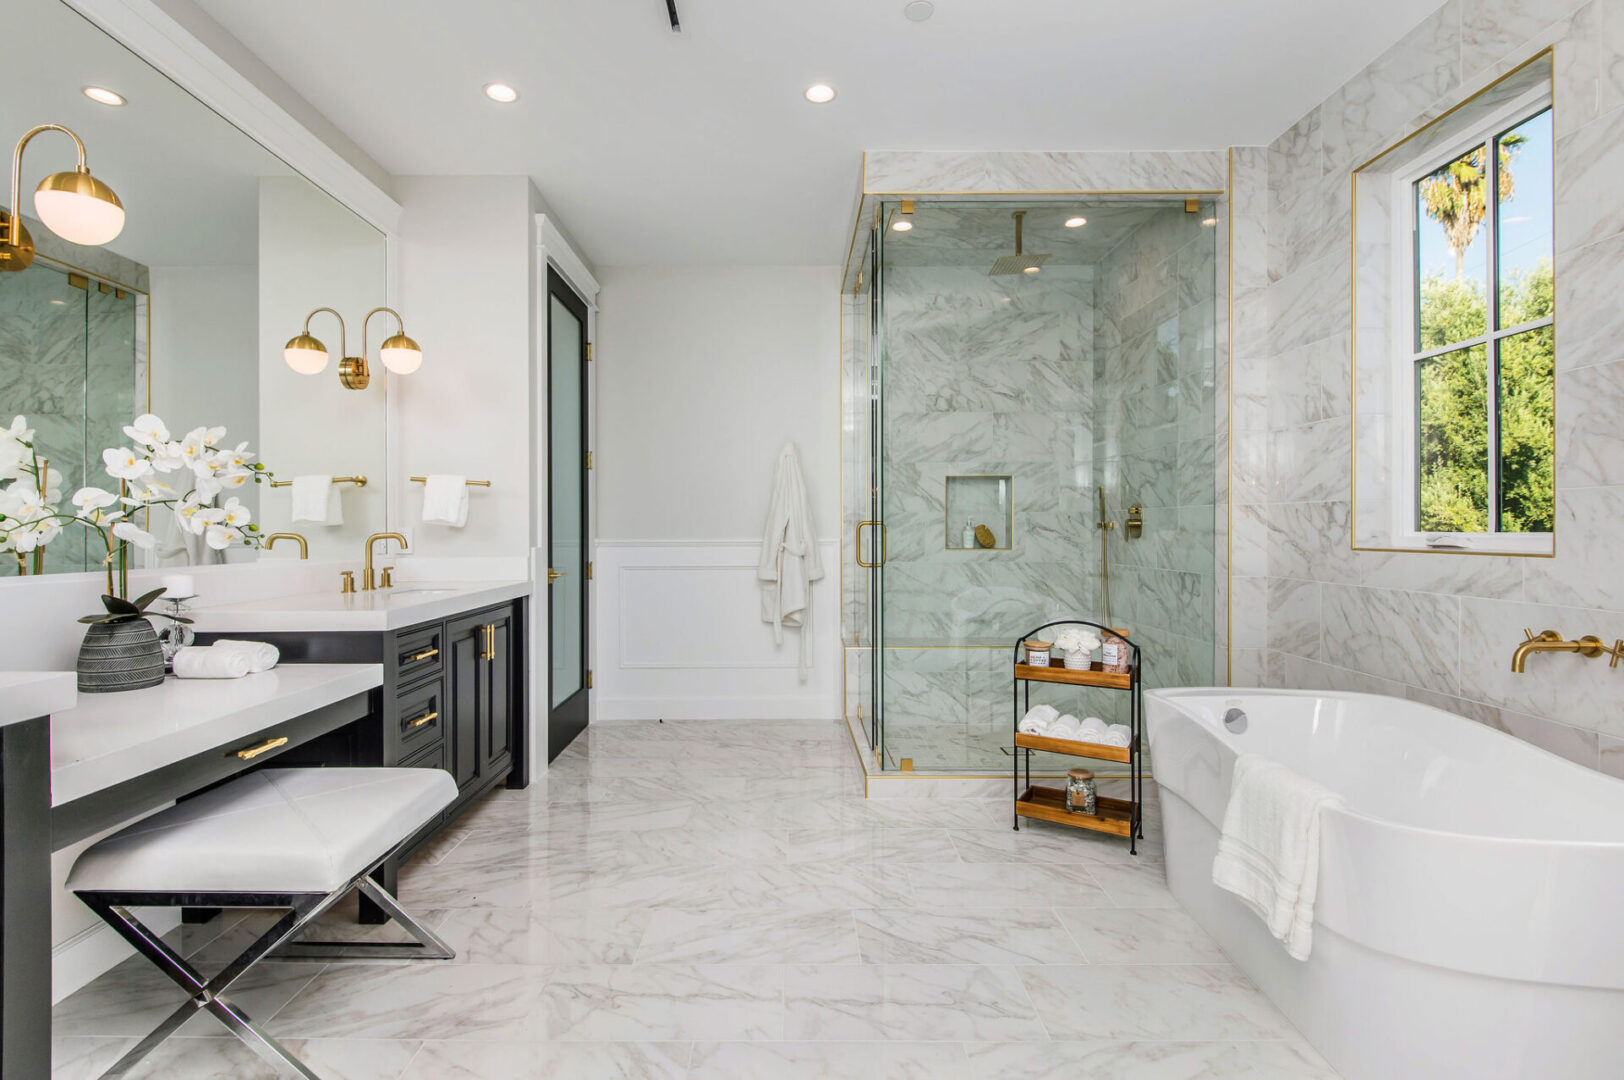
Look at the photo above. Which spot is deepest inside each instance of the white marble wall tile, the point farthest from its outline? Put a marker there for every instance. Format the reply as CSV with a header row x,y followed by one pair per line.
x,y
1612,755
909,171
1406,636
1287,669
1587,167
1587,286
1294,617
1582,692
1586,571
1441,572
1494,30
1589,438
1309,540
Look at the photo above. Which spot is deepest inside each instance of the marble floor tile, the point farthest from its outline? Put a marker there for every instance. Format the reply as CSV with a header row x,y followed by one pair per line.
x,y
750,937
549,1061
916,1002
716,900
828,1061
1193,1002
982,936
1140,936
662,1003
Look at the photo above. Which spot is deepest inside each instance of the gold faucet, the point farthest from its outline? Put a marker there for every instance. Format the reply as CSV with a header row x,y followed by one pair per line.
x,y
368,579
1552,641
304,545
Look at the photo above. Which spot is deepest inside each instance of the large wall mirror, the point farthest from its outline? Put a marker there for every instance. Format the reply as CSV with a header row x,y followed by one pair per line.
x,y
224,252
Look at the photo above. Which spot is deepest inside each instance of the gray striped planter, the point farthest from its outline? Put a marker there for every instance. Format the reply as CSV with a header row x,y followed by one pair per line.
x,y
120,656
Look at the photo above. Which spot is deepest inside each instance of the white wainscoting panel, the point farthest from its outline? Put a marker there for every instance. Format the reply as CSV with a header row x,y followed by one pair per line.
x,y
680,636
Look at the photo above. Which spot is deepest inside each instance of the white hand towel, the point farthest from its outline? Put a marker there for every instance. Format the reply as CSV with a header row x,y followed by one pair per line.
x,y
210,663
1268,850
1038,719
316,501
1117,735
262,656
1064,728
445,500
1092,730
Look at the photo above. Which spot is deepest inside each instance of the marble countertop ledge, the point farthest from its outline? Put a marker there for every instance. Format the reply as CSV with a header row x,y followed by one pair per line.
x,y
109,738
407,604
27,695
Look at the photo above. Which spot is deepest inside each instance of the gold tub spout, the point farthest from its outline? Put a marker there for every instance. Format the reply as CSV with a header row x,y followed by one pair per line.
x,y
1552,641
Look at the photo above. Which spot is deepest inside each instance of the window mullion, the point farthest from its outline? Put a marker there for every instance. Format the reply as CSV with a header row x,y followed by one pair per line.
x,y
1491,203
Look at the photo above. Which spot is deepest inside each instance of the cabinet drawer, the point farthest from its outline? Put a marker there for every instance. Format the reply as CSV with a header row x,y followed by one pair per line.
x,y
417,654
430,757
421,715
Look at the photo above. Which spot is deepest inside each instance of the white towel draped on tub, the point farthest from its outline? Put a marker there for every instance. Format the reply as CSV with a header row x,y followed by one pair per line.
x,y
315,501
1268,851
789,556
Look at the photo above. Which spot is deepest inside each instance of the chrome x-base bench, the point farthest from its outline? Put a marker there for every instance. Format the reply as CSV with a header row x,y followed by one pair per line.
x,y
300,839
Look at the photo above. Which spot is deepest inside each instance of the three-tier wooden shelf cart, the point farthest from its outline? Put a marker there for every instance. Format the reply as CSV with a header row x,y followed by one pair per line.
x,y
1119,817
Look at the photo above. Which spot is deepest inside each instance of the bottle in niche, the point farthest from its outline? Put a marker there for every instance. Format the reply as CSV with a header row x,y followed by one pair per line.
x,y
968,538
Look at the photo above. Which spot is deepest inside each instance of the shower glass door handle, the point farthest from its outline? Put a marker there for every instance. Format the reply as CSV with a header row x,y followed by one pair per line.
x,y
858,545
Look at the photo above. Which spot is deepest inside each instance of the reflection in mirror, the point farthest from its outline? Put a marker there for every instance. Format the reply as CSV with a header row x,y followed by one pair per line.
x,y
184,314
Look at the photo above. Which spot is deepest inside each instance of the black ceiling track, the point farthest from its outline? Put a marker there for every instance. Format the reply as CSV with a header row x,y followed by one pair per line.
x,y
671,9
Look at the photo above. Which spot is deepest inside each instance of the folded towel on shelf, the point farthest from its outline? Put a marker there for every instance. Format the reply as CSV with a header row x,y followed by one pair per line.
x,y
1038,719
208,662
316,501
262,655
1064,728
1117,735
445,500
1268,849
1092,729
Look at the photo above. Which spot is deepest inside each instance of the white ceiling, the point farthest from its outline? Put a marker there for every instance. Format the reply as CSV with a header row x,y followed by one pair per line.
x,y
655,148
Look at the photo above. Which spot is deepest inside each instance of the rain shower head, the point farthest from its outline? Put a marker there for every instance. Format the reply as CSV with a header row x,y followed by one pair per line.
x,y
1018,263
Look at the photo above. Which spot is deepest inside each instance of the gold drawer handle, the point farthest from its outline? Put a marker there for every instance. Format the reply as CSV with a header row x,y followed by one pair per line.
x,y
487,634
424,655
269,744
425,718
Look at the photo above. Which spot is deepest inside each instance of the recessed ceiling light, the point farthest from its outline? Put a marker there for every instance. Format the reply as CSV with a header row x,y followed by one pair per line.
x,y
902,225
502,92
820,93
919,10
1076,222
1031,269
103,96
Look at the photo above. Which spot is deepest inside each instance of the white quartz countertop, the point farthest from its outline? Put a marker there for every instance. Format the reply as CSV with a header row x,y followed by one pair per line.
x,y
25,695
109,738
407,604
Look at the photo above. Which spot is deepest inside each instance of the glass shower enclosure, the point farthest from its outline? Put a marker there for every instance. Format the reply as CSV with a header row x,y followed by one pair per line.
x,y
1032,432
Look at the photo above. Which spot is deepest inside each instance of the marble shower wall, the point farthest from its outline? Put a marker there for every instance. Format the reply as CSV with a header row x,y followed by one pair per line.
x,y
1309,610
72,362
1155,439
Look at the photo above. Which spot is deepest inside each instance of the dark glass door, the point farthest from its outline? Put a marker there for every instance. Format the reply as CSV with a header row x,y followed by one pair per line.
x,y
569,522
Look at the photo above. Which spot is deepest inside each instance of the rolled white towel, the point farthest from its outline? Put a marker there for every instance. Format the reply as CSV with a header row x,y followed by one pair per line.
x,y
1038,719
210,663
1118,735
1064,728
262,655
1092,729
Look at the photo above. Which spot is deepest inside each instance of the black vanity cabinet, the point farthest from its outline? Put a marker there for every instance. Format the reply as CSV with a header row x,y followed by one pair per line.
x,y
483,696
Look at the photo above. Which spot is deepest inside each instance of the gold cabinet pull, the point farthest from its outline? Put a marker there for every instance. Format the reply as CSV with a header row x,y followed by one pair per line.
x,y
425,718
253,752
488,638
424,655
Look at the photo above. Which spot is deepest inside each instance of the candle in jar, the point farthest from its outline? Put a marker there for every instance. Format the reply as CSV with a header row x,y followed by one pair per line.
x,y
178,586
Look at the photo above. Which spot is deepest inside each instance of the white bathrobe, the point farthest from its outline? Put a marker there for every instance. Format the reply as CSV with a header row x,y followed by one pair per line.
x,y
789,556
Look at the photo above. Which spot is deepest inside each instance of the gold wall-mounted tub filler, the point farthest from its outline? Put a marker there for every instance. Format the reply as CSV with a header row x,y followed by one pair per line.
x,y
1589,646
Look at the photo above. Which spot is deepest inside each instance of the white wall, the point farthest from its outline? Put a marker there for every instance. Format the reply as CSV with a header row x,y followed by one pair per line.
x,y
703,374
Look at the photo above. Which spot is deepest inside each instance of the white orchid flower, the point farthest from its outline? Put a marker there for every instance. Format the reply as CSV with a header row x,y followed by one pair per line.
x,y
220,537
53,486
22,501
232,479
207,486
13,455
167,457
142,539
193,448
236,514
148,491
19,431
191,512
148,431
122,463
88,500
35,535
239,457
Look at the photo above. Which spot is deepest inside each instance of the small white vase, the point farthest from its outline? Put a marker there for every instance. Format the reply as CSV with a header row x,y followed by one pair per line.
x,y
1078,661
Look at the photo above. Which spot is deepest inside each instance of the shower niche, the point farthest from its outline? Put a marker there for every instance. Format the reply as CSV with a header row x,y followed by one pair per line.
x,y
978,513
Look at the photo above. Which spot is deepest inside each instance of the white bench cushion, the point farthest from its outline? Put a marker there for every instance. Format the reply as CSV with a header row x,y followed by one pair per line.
x,y
273,831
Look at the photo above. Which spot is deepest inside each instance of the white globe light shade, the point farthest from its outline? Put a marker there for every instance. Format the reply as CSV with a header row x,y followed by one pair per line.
x,y
306,355
401,355
79,208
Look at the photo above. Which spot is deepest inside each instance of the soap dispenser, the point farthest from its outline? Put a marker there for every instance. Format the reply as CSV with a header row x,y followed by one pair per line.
x,y
968,540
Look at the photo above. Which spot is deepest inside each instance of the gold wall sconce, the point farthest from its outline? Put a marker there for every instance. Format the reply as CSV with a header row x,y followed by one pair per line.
x,y
74,205
308,356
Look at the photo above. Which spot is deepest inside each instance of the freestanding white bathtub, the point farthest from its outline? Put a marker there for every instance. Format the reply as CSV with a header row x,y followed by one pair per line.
x,y
1470,918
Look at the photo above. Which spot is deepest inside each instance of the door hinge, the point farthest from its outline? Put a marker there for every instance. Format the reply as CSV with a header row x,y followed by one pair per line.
x,y
589,679
589,350
589,459
589,571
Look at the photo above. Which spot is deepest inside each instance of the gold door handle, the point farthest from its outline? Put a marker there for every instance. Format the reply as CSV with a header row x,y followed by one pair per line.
x,y
253,752
425,718
859,545
424,655
554,575
487,635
